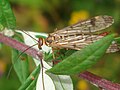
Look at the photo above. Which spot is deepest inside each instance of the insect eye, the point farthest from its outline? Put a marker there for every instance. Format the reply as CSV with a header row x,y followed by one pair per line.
x,y
40,43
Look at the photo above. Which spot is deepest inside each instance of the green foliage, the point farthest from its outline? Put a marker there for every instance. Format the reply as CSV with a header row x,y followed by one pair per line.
x,y
83,59
30,3
48,56
20,64
76,5
118,40
29,84
40,36
7,18
60,54
9,84
1,27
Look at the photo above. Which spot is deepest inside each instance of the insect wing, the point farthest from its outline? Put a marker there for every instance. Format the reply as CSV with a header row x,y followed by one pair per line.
x,y
80,34
76,42
79,42
114,47
88,26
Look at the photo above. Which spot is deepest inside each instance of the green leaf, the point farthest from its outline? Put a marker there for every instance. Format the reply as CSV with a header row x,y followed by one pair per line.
x,y
32,86
83,59
29,83
40,36
0,45
7,18
20,63
117,40
1,27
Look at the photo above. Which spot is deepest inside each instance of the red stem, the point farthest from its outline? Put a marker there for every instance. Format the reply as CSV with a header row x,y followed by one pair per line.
x,y
99,81
20,46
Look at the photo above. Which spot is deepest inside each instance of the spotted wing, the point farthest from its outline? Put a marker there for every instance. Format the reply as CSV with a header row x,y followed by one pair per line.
x,y
80,35
79,42
88,26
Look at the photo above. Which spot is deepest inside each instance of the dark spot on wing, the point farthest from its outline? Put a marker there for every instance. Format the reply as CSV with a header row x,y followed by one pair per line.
x,y
74,45
92,21
108,19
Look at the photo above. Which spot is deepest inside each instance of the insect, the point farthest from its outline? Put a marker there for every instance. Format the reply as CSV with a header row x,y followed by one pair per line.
x,y
80,34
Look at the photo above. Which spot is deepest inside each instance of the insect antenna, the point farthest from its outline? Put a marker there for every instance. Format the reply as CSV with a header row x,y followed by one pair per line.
x,y
17,59
29,35
22,52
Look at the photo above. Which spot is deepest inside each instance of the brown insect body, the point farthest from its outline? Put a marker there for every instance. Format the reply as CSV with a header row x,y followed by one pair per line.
x,y
76,42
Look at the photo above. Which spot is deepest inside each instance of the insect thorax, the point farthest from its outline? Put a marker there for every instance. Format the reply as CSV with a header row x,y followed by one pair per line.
x,y
52,39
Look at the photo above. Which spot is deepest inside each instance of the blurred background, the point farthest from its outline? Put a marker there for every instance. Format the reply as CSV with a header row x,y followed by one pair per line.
x,y
46,16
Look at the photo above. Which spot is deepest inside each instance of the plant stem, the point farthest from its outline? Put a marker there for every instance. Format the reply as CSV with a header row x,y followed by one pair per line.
x,y
94,79
99,81
20,46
